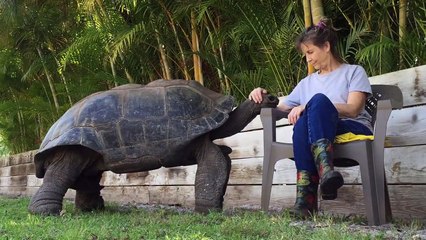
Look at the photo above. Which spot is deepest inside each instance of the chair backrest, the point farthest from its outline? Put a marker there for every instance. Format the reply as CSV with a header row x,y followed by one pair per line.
x,y
381,92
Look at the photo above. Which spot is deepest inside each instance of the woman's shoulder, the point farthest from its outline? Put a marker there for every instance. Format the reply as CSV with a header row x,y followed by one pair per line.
x,y
309,78
352,67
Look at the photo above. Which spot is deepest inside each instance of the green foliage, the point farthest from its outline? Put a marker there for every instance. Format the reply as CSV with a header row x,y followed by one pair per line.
x,y
118,222
56,53
4,151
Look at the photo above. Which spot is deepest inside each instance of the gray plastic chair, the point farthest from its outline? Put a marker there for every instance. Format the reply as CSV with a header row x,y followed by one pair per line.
x,y
369,155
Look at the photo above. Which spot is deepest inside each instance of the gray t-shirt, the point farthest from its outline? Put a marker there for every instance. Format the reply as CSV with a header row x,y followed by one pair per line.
x,y
336,85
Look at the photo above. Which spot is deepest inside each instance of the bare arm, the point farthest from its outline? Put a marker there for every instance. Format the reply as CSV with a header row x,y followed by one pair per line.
x,y
354,105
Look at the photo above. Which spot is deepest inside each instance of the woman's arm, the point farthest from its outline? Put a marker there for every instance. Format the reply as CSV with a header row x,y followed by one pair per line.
x,y
354,105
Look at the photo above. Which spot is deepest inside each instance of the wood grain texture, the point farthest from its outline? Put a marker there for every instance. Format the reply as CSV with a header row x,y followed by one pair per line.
x,y
412,83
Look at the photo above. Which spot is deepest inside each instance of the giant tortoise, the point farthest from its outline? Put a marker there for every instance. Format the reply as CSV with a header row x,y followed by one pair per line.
x,y
133,128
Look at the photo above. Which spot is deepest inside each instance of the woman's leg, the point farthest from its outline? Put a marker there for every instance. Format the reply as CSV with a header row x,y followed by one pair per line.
x,y
307,177
314,144
323,120
314,134
319,121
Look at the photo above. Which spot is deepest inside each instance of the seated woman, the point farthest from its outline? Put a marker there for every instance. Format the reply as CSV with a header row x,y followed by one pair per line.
x,y
324,104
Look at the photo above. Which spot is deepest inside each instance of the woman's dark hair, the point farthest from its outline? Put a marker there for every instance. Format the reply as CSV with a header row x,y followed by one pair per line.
x,y
320,34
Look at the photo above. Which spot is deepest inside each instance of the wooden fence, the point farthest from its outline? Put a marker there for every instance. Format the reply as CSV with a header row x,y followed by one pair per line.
x,y
404,162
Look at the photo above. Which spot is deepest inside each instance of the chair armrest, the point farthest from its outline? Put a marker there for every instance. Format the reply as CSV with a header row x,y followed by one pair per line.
x,y
384,109
269,116
268,119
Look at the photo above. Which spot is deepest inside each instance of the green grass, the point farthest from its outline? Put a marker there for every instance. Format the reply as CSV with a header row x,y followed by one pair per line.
x,y
118,222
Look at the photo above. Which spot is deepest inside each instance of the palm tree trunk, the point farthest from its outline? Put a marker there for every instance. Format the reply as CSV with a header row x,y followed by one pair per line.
x,y
50,81
317,10
308,22
226,79
114,74
65,84
198,76
218,54
128,76
181,52
307,13
402,29
165,64
18,145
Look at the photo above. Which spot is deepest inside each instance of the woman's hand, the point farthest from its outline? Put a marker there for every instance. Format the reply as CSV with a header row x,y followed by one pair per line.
x,y
256,94
295,113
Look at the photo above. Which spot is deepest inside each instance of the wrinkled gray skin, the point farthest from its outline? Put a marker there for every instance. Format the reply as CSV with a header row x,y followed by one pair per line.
x,y
135,128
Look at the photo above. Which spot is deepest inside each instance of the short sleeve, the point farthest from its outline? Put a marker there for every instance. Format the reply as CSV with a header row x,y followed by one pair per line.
x,y
293,99
359,81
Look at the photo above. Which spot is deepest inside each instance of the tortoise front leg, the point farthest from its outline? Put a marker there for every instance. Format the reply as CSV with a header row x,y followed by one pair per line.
x,y
63,168
212,176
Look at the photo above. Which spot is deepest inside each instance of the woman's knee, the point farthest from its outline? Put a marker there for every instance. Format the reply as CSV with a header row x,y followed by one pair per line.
x,y
320,99
321,104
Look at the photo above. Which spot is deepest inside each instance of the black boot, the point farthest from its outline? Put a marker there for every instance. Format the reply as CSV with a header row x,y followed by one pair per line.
x,y
330,180
307,195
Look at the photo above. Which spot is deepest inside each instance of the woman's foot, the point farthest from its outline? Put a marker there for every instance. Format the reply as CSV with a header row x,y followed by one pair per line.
x,y
330,182
307,195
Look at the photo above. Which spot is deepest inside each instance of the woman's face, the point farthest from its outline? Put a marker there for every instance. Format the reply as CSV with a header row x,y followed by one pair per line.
x,y
318,57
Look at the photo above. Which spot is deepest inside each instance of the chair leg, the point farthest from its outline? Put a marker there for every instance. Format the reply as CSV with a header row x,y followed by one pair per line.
x,y
267,176
381,187
369,189
387,204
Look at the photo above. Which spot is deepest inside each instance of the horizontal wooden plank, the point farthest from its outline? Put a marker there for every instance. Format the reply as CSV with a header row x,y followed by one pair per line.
x,y
21,181
406,201
163,176
18,191
407,127
412,83
17,170
14,181
26,157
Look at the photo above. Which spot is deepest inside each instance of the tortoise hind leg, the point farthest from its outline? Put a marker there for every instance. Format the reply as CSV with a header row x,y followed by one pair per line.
x,y
88,196
63,168
212,176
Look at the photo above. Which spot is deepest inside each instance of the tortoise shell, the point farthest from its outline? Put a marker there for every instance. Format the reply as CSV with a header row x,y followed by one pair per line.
x,y
135,127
